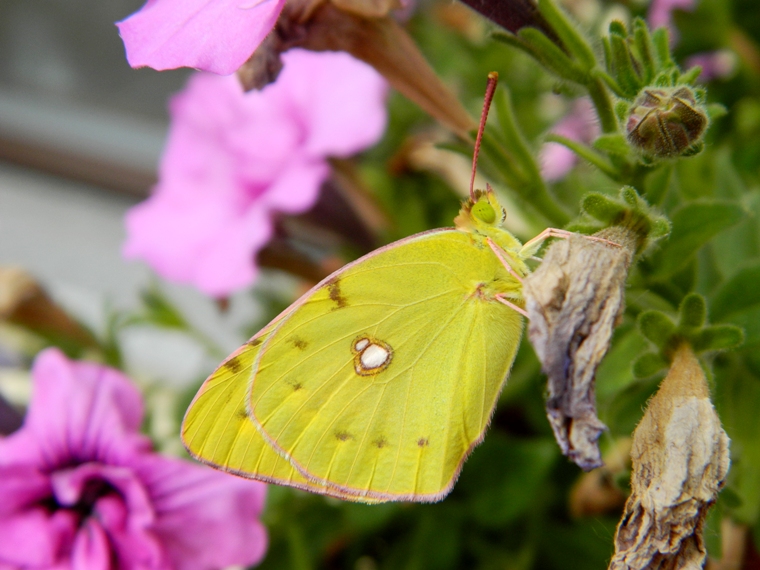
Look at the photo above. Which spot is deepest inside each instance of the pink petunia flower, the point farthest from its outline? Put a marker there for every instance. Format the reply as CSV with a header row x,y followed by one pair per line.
x,y
581,125
234,158
211,35
81,489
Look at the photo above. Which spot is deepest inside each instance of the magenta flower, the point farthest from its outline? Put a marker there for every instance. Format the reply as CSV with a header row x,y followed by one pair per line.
x,y
234,158
212,35
581,125
80,488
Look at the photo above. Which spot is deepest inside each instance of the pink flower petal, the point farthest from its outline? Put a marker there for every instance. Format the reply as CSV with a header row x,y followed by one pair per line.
x,y
91,549
233,159
80,411
342,121
71,485
212,35
35,538
198,506
79,488
21,486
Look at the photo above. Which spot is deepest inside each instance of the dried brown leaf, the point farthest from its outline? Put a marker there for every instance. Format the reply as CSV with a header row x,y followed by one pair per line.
x,y
680,461
25,303
368,8
574,301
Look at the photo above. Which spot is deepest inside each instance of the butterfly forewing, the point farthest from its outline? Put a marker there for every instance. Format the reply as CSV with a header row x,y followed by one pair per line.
x,y
382,380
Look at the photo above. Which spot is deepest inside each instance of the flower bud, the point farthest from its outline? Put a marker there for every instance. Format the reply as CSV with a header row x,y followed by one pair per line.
x,y
666,122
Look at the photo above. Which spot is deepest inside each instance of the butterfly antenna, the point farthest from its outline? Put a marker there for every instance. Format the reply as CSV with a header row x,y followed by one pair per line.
x,y
493,79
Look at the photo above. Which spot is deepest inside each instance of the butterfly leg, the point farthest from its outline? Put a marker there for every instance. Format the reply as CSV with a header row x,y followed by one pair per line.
x,y
500,254
531,246
500,298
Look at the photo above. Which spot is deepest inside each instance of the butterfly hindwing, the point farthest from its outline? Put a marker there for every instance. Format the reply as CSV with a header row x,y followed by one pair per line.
x,y
218,431
381,380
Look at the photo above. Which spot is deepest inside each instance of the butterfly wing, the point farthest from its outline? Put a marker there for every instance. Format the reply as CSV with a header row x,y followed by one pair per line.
x,y
217,430
382,379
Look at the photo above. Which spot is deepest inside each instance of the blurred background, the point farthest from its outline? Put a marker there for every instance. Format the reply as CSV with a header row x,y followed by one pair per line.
x,y
81,135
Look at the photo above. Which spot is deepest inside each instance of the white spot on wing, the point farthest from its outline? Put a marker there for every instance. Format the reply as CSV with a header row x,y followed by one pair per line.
x,y
374,356
371,356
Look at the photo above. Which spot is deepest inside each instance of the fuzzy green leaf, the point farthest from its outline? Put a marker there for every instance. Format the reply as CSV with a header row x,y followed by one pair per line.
x,y
552,57
602,207
656,327
718,337
568,33
693,311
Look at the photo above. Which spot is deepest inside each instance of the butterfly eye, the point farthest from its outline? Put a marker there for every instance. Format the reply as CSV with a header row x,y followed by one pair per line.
x,y
484,212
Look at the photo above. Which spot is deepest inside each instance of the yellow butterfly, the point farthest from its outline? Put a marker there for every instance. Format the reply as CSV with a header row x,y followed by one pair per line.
x,y
377,383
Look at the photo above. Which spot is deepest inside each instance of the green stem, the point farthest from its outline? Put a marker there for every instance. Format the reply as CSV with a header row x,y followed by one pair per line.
x,y
533,191
588,154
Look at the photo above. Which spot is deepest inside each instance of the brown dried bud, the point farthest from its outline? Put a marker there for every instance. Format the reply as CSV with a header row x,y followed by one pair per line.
x,y
680,461
574,301
346,25
665,123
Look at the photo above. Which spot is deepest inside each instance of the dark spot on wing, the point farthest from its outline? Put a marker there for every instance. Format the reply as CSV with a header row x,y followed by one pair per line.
x,y
234,365
380,442
333,287
343,435
297,386
423,442
241,414
255,341
299,343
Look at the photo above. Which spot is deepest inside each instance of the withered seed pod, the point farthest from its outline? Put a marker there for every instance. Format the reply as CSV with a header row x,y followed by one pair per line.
x,y
665,123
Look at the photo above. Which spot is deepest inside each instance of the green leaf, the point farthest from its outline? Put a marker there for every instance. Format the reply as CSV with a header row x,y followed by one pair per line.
x,y
601,207
661,43
645,49
505,477
160,312
692,227
739,294
657,184
568,33
648,364
738,400
614,374
716,111
552,57
622,67
718,337
656,327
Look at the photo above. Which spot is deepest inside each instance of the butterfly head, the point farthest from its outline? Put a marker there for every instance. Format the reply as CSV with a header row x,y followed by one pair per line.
x,y
481,211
